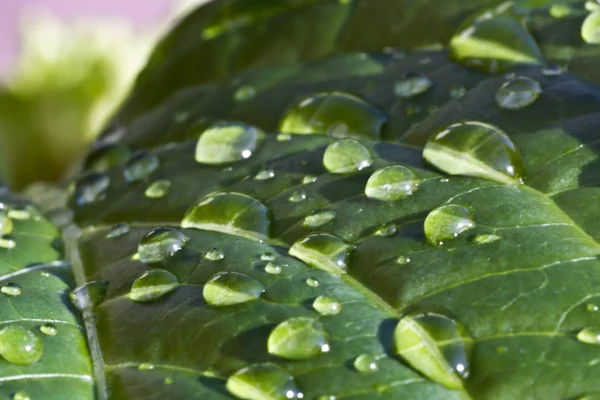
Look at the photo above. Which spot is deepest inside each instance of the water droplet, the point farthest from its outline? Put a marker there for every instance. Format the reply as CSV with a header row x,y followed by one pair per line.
x,y
297,196
309,179
346,156
21,213
19,345
335,114
230,212
118,230
272,268
21,395
403,260
158,189
318,218
227,142
387,229
49,329
298,338
494,40
590,29
326,305
268,256
168,380
160,244
485,238
214,255
264,175
89,188
244,93
518,93
589,336
6,225
153,285
88,295
323,251
475,149
11,289
447,222
436,346
412,86
230,288
552,71
312,282
457,92
284,137
560,10
7,242
104,158
394,182
365,363
591,307
140,166
263,382
145,367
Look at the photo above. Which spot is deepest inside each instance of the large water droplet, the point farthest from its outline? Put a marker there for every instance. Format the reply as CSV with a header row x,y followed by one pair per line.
x,y
412,86
263,382
89,188
436,346
447,222
230,212
104,158
152,285
318,218
365,363
160,244
158,189
336,114
19,345
589,336
590,29
140,166
118,230
11,289
230,288
326,305
49,329
394,182
227,142
6,225
518,93
475,149
346,156
298,339
494,40
323,251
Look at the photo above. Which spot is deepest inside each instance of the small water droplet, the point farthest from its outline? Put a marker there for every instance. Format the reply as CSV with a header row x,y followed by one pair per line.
x,y
262,382
518,93
298,338
365,363
589,336
590,29
227,142
264,175
230,288
153,285
160,244
272,268
309,179
323,251
244,93
19,345
475,149
7,242
49,329
554,70
326,305
89,188
11,289
104,158
387,229
591,307
312,282
145,367
158,189
318,218
21,395
447,222
140,166
412,86
268,256
284,137
560,10
436,346
394,182
403,260
346,156
485,238
6,225
457,92
297,196
214,255
118,230
230,212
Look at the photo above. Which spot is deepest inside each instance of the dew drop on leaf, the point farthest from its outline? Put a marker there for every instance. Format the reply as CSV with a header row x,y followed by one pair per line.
x,y
312,282
335,114
309,179
21,395
168,380
589,336
560,10
284,137
104,158
89,294
153,285
394,182
140,166
272,268
49,329
89,188
457,92
590,29
118,230
346,156
436,346
158,189
402,260
268,256
6,225
232,213
160,244
323,251
230,288
447,222
591,307
327,305
298,338
365,363
263,382
387,229
553,70
412,86
318,218
297,196
7,242
264,175
485,238
244,93
518,93
475,149
19,345
214,255
11,289
227,142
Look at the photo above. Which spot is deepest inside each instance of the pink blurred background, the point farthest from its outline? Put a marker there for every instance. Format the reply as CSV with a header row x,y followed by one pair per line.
x,y
142,12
